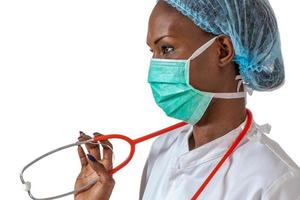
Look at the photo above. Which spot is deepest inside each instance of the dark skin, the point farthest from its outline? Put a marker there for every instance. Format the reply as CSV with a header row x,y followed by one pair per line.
x,y
171,35
174,36
91,170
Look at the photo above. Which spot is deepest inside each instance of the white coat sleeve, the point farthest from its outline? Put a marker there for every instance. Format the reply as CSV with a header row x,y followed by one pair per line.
x,y
287,187
153,154
143,181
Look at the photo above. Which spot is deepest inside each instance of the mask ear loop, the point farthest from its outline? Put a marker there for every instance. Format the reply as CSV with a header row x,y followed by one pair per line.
x,y
246,89
202,48
239,77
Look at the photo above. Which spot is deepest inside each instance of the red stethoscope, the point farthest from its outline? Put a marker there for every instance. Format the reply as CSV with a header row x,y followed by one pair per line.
x,y
132,143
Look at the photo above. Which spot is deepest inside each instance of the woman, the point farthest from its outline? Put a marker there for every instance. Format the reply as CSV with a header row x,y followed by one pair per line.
x,y
238,39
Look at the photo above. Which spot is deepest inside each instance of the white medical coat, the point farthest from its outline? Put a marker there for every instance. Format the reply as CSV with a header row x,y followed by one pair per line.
x,y
257,170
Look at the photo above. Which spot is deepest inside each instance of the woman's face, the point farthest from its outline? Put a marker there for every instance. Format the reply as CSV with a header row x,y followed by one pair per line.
x,y
171,35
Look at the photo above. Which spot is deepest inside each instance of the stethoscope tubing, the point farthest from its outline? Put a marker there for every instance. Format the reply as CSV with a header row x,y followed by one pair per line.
x,y
132,143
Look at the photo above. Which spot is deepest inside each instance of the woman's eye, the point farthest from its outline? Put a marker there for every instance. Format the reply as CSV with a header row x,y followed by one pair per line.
x,y
167,49
151,50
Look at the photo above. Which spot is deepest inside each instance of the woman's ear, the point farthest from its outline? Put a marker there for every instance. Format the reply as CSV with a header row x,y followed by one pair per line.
x,y
225,50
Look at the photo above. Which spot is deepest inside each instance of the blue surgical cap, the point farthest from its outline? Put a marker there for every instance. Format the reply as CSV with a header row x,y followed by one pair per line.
x,y
252,28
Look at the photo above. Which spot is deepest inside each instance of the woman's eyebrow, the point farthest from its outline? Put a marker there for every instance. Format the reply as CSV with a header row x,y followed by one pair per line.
x,y
160,38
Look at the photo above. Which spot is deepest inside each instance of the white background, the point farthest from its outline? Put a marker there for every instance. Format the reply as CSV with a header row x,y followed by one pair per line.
x,y
76,65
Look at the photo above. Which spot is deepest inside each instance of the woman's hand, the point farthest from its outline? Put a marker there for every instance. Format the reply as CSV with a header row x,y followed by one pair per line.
x,y
93,167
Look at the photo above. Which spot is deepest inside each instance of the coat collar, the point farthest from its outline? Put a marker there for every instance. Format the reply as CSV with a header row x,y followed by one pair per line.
x,y
214,149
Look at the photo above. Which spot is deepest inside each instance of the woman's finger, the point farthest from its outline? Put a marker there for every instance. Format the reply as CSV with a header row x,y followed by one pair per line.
x,y
107,152
101,171
82,156
93,149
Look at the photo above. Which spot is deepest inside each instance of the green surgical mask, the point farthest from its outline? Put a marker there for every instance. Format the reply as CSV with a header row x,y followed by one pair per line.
x,y
169,81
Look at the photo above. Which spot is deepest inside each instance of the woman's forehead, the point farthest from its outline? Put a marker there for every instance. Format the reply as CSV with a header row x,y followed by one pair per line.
x,y
166,20
164,17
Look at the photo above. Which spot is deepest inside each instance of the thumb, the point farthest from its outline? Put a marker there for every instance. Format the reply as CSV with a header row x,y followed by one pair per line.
x,y
100,170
